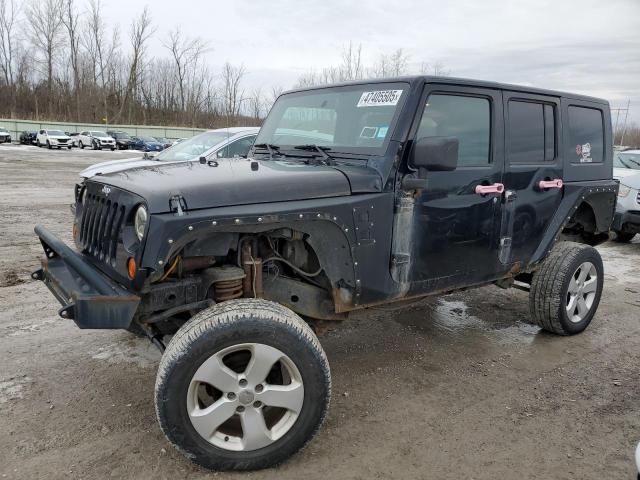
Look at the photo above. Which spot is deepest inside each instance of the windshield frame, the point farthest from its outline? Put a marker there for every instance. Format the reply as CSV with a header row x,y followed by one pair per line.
x,y
379,151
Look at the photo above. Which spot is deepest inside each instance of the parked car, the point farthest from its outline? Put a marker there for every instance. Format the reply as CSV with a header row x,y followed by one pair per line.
x,y
96,140
165,142
223,142
626,168
146,144
28,138
353,195
5,136
53,138
123,139
74,138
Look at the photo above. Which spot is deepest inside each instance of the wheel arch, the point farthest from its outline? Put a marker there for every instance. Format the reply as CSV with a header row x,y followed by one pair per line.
x,y
584,216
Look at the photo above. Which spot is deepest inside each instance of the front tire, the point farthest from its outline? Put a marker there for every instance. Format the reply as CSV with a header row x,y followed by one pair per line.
x,y
81,145
48,144
243,385
566,289
623,237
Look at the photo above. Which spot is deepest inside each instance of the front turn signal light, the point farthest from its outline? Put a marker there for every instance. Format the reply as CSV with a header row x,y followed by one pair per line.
x,y
131,268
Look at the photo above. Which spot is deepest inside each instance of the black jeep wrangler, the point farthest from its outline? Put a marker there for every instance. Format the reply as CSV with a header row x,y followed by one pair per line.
x,y
353,195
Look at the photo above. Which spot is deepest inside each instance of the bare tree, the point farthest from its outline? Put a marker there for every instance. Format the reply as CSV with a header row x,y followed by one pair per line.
x,y
256,103
8,46
45,23
232,95
8,18
186,54
351,67
101,49
390,65
141,31
437,69
70,20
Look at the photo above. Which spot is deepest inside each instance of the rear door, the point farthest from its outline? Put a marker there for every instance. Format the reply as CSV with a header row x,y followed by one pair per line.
x,y
533,174
455,224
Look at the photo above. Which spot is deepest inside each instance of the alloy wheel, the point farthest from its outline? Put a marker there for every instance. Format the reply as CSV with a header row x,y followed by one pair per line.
x,y
581,292
245,397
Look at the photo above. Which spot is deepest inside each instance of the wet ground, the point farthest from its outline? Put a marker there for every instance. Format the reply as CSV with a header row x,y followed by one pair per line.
x,y
455,387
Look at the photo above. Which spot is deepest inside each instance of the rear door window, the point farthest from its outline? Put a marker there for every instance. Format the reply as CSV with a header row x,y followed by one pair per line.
x,y
586,134
531,132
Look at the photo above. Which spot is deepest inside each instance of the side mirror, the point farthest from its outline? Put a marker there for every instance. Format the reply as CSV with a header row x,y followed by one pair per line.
x,y
436,154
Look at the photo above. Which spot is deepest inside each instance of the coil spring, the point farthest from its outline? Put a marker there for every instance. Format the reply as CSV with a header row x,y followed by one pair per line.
x,y
227,290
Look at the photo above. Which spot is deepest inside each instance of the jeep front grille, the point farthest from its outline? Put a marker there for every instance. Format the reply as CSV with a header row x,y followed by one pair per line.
x,y
100,226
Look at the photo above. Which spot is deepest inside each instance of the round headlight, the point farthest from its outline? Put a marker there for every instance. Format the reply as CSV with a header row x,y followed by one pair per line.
x,y
140,222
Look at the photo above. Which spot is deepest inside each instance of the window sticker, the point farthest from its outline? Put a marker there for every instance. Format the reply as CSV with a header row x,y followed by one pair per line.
x,y
368,132
585,152
379,98
382,132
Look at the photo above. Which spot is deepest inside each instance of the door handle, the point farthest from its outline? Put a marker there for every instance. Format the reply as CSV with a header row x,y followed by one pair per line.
x,y
484,189
555,183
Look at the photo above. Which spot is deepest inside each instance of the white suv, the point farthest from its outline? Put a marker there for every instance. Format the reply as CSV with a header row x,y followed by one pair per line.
x,y
53,138
95,139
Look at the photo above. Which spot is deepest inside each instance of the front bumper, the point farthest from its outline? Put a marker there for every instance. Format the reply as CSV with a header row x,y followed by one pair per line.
x,y
626,221
87,296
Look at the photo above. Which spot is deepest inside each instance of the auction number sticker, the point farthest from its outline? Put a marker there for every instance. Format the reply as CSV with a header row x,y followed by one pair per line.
x,y
379,98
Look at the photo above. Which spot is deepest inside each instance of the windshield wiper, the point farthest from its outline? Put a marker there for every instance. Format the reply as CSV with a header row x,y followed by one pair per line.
x,y
311,147
269,147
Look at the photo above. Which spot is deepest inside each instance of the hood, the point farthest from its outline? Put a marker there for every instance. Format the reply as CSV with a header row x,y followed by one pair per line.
x,y
632,180
60,137
116,166
153,144
624,172
232,182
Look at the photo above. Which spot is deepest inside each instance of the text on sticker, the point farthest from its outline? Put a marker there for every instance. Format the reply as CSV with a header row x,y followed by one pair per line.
x,y
379,98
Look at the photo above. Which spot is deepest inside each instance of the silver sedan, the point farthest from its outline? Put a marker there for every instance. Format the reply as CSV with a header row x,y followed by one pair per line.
x,y
220,143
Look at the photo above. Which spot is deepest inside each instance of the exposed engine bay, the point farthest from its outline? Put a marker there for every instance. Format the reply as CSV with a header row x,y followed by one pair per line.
x,y
277,265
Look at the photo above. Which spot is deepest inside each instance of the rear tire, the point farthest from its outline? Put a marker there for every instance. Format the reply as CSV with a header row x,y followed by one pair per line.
x,y
566,289
81,145
219,358
623,237
48,144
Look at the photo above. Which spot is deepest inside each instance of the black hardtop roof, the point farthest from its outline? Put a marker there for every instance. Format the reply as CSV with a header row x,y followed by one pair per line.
x,y
460,81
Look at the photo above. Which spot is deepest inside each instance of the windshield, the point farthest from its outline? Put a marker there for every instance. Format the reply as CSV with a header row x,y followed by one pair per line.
x,y
147,139
193,147
55,132
627,160
99,134
351,119
3,130
121,136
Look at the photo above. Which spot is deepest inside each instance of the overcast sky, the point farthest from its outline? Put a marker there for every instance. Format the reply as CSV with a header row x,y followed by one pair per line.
x,y
585,46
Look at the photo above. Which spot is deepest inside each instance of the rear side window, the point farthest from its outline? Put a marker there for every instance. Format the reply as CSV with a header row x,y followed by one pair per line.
x,y
464,117
532,136
586,135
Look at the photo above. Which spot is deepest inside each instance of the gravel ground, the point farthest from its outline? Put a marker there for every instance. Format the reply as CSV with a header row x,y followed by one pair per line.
x,y
455,387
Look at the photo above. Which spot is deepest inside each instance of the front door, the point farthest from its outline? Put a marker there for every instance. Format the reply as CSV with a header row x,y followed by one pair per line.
x,y
533,174
457,216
